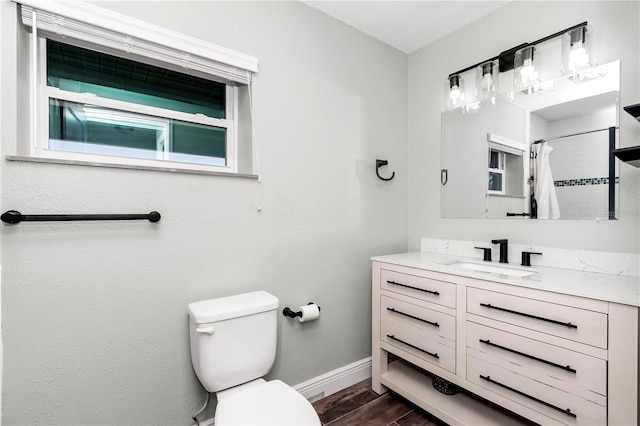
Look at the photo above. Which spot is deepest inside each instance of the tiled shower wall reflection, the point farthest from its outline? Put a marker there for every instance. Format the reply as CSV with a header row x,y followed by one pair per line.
x,y
580,166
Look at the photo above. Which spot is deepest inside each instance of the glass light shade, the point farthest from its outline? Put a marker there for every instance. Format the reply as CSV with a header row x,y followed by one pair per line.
x,y
454,96
576,46
526,65
487,76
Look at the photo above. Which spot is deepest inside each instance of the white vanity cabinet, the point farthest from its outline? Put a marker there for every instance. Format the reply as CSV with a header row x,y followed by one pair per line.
x,y
417,317
548,357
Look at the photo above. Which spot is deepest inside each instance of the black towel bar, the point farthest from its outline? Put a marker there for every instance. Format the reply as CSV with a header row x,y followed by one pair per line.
x,y
14,216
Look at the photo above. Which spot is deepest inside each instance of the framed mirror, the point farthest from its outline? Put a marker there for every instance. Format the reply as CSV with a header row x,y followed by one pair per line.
x,y
543,154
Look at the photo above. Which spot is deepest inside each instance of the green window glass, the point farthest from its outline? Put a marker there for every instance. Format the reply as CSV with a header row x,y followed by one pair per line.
x,y
79,70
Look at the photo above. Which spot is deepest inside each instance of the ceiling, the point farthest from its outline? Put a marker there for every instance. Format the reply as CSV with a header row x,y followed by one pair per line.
x,y
406,25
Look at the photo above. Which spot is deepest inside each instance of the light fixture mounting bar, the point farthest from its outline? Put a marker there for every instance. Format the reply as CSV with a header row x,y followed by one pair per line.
x,y
506,57
473,66
559,33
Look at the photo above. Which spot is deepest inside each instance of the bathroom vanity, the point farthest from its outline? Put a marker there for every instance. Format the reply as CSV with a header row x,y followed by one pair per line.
x,y
554,346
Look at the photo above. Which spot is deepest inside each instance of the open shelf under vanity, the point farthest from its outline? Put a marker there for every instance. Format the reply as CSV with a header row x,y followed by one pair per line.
x,y
415,385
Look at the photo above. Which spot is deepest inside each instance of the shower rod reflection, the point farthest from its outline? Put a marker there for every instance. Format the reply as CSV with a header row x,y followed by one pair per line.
x,y
570,135
14,216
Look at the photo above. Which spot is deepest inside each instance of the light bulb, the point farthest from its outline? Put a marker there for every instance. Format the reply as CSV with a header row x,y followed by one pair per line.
x,y
455,93
486,79
575,52
578,56
527,68
487,82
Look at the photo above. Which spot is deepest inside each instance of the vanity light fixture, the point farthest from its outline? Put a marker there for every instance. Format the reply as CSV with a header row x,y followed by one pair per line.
x,y
525,58
487,77
575,50
576,55
526,67
454,92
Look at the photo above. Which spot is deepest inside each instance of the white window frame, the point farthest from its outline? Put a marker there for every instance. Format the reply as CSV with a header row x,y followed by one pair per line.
x,y
503,146
116,155
498,171
94,28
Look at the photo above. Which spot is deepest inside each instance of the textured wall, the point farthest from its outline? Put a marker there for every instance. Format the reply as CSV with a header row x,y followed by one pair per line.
x,y
616,26
94,314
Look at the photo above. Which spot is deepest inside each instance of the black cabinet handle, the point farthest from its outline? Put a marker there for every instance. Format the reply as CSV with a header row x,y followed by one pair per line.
x,y
533,398
413,288
391,336
562,367
435,324
566,324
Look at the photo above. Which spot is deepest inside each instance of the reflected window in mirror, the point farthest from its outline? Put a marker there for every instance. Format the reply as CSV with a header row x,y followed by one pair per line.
x,y
496,172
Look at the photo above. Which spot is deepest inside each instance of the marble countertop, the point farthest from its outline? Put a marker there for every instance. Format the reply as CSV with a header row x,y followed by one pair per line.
x,y
608,287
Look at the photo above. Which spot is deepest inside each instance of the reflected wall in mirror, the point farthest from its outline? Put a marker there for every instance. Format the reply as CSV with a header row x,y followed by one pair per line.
x,y
472,170
541,154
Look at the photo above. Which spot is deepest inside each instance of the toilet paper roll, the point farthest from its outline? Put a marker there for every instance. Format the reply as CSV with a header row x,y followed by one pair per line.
x,y
309,312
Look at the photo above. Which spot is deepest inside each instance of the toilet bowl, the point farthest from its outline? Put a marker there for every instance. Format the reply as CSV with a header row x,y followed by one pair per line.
x,y
264,403
233,345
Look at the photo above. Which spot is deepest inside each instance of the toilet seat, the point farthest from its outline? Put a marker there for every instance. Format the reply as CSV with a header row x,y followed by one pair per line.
x,y
266,403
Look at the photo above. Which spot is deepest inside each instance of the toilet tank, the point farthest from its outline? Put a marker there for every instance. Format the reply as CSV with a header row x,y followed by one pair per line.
x,y
233,339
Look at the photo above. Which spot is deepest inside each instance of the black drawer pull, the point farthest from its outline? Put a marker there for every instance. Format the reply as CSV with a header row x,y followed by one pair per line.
x,y
533,398
435,324
391,336
562,367
566,324
414,288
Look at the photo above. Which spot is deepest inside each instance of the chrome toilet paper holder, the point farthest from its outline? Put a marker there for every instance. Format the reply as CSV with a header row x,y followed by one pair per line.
x,y
288,312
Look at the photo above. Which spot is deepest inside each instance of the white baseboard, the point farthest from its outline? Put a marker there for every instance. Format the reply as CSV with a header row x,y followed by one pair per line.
x,y
328,383
336,380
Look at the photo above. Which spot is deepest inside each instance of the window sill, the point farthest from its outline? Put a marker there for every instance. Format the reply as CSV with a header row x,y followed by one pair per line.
x,y
126,166
492,194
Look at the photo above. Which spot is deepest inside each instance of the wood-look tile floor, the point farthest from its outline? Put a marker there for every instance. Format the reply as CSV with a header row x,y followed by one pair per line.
x,y
358,405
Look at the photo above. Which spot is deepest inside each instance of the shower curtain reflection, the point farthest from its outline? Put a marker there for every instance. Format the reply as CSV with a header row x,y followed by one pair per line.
x,y
544,190
584,182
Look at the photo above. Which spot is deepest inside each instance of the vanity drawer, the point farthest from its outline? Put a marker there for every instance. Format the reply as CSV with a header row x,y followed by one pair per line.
x,y
567,322
440,292
417,319
563,406
434,350
540,359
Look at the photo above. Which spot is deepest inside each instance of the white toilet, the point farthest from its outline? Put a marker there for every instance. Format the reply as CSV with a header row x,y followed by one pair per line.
x,y
233,344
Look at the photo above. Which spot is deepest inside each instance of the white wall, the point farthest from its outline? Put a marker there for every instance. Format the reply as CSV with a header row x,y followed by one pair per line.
x,y
94,314
616,26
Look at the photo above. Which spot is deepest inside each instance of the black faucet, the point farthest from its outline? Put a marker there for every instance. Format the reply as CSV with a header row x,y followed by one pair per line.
x,y
526,257
504,249
487,253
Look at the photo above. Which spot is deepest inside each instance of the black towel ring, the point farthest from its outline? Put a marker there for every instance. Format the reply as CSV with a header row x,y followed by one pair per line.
x,y
380,163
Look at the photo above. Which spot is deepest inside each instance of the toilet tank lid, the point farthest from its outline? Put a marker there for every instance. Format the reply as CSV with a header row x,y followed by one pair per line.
x,y
224,308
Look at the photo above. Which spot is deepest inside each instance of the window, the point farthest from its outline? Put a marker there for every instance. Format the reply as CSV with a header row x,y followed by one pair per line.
x,y
506,166
107,105
496,172
153,98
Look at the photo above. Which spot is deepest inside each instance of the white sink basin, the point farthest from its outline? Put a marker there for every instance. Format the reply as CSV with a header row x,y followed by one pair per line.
x,y
495,269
